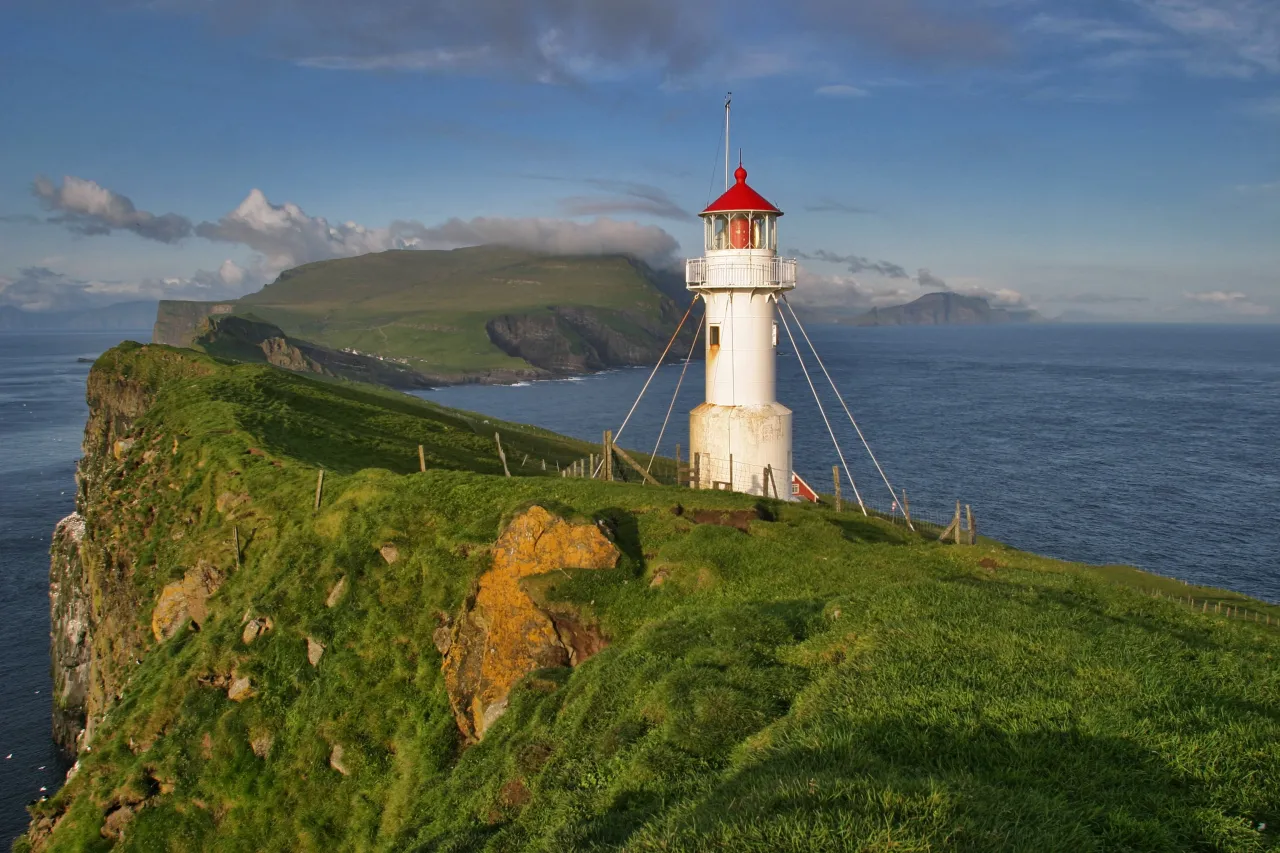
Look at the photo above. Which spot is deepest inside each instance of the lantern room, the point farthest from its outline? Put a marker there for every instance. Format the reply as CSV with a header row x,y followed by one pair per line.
x,y
741,219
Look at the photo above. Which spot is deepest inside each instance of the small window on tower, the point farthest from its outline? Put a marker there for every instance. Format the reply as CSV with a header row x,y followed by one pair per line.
x,y
775,335
713,336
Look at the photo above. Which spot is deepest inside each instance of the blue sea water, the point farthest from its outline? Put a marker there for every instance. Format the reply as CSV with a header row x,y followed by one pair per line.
x,y
1157,446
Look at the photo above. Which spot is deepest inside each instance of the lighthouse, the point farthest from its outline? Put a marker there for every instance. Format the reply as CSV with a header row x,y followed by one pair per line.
x,y
740,437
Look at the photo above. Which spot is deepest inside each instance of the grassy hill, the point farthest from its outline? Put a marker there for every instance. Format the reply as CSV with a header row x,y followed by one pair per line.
x,y
813,681
472,313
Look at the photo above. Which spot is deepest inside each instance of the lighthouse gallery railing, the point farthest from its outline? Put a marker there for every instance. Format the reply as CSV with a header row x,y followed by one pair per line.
x,y
780,273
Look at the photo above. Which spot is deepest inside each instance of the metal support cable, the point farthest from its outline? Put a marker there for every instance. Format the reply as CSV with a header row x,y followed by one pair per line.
x,y
671,407
822,411
843,405
652,374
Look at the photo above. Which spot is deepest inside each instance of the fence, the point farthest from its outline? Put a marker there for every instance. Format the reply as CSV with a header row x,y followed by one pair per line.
x,y
703,471
1218,606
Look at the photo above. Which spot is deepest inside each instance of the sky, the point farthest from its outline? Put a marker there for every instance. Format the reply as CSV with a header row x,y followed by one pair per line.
x,y
1092,159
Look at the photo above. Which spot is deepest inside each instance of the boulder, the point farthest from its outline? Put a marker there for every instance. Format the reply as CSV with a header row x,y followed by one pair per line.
x,y
502,635
255,628
335,760
335,594
315,650
241,688
390,553
185,599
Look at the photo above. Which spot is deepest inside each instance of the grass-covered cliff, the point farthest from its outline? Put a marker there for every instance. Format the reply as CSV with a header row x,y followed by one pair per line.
x,y
478,314
457,660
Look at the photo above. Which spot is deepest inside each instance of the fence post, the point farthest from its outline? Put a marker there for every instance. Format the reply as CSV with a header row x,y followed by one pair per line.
x,y
544,464
906,507
679,471
319,488
697,470
973,531
768,478
524,460
497,438
422,460
607,453
235,540
957,522
835,476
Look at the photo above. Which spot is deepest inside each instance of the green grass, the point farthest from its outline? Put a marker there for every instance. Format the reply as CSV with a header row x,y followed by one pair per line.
x,y
431,307
825,682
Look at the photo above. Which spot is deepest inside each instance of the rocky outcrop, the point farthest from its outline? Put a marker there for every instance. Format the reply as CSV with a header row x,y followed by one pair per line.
x,y
185,599
70,651
503,634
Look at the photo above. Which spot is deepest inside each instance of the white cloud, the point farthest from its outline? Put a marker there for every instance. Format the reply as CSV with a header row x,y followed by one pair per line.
x,y
1232,301
1232,38
558,236
840,90
286,236
1269,188
43,289
86,207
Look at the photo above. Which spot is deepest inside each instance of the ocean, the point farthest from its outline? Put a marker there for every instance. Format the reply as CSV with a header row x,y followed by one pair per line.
x,y
1156,446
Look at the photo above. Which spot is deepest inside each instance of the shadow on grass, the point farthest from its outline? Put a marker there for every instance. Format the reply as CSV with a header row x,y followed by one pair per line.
x,y
958,786
863,529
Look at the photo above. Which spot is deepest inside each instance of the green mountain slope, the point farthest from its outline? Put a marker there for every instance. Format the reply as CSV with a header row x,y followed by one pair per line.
x,y
650,668
486,313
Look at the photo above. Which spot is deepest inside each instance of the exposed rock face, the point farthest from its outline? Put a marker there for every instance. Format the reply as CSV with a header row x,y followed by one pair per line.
x,y
185,599
502,634
69,606
178,321
95,636
570,339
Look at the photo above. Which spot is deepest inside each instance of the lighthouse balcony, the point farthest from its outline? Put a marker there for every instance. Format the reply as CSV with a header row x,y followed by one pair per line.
x,y
776,273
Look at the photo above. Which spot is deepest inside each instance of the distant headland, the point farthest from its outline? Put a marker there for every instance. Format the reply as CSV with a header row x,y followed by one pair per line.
x,y
945,309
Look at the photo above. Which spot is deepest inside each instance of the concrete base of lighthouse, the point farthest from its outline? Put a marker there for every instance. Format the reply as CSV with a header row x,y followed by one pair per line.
x,y
755,437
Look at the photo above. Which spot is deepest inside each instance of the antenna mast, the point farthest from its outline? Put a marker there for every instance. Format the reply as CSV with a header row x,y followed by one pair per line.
x,y
727,99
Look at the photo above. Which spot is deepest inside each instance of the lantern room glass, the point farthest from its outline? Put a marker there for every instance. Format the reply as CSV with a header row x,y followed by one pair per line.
x,y
741,231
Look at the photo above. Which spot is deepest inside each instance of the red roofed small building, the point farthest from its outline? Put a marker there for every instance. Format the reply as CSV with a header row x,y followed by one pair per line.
x,y
800,490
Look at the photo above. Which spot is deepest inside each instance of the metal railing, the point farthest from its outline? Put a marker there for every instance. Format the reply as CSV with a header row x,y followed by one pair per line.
x,y
779,272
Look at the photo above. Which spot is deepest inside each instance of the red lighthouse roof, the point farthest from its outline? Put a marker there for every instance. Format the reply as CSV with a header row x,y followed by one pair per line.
x,y
741,197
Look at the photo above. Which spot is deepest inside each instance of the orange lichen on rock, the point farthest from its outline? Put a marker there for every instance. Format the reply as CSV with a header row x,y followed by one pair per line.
x,y
502,634
185,598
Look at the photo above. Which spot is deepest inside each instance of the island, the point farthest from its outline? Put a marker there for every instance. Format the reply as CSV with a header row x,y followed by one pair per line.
x,y
412,318
944,308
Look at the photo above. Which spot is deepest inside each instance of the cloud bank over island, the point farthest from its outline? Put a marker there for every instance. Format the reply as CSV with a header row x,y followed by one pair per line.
x,y
281,236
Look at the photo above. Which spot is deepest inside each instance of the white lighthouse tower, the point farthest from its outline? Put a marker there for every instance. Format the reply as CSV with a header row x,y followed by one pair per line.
x,y
741,431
